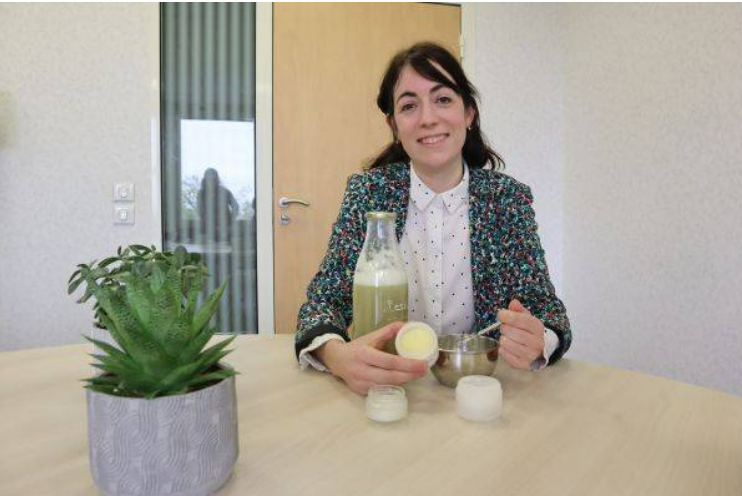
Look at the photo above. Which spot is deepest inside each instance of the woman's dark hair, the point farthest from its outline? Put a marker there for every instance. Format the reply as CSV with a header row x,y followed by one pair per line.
x,y
476,151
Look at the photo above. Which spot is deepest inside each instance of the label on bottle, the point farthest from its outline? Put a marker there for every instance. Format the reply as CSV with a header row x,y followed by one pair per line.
x,y
376,306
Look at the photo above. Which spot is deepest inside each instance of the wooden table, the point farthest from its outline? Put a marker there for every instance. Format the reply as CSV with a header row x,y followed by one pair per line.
x,y
572,429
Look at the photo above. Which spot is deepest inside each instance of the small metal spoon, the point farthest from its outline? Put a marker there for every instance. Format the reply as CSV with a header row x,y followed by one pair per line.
x,y
486,330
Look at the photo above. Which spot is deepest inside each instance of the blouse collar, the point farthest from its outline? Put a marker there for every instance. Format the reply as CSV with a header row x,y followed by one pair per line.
x,y
422,195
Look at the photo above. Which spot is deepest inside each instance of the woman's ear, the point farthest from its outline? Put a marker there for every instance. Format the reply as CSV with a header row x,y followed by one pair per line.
x,y
392,125
470,114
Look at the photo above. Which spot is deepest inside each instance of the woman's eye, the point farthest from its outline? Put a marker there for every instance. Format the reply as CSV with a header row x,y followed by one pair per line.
x,y
445,99
407,106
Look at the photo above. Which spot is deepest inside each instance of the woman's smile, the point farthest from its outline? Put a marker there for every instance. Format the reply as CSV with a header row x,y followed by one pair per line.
x,y
433,140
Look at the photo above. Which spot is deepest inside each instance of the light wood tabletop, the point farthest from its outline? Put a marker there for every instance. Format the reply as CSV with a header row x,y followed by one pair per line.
x,y
571,429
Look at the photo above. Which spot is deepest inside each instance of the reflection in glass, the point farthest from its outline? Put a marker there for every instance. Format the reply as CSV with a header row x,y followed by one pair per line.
x,y
208,147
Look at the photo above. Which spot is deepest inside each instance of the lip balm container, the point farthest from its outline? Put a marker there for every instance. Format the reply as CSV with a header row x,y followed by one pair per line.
x,y
478,398
386,403
419,341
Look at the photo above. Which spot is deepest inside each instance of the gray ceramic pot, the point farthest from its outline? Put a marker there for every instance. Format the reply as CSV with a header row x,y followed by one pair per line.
x,y
182,445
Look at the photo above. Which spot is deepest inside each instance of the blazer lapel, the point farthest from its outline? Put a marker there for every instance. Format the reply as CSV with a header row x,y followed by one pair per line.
x,y
486,244
397,194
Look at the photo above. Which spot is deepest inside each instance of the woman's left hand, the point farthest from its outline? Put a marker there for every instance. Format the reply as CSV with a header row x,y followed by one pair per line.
x,y
521,336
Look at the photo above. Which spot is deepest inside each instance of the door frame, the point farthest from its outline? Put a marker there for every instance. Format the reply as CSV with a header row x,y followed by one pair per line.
x,y
264,165
467,38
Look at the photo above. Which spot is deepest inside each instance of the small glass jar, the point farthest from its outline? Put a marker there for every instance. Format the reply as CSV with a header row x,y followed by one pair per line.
x,y
386,403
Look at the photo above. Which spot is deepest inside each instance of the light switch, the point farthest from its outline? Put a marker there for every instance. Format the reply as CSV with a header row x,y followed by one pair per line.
x,y
124,215
123,192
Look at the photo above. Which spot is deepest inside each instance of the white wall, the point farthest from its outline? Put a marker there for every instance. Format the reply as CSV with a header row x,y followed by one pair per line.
x,y
76,103
648,146
652,258
517,66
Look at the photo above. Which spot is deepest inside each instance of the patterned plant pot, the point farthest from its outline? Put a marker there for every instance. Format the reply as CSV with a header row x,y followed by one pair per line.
x,y
183,445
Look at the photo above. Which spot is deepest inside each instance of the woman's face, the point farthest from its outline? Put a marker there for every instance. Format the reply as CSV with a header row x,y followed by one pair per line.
x,y
430,120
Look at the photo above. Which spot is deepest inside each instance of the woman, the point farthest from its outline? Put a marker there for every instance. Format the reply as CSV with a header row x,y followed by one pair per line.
x,y
463,275
217,207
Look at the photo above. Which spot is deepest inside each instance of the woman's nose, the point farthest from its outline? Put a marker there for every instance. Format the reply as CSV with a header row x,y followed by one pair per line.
x,y
428,116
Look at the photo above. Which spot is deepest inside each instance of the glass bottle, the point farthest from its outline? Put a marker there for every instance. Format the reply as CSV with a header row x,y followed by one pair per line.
x,y
380,280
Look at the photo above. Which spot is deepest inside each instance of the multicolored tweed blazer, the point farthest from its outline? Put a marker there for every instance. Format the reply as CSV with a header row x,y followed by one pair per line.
x,y
506,255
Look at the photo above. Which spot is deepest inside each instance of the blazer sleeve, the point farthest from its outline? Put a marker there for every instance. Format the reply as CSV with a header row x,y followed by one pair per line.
x,y
329,305
529,275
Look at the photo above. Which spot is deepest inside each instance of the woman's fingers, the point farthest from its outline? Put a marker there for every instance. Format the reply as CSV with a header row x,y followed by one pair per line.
x,y
380,337
520,336
361,364
523,321
387,361
363,374
516,306
369,366
513,360
393,377
360,387
520,350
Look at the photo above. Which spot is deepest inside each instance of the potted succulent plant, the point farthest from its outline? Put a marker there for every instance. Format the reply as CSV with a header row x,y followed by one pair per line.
x,y
162,414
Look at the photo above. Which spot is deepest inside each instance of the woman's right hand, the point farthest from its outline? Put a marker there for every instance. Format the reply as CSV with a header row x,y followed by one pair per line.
x,y
361,363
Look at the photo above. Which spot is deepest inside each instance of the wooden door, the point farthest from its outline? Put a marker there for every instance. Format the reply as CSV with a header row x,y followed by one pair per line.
x,y
328,63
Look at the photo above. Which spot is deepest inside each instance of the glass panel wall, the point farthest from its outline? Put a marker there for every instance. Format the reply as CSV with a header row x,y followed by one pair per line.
x,y
208,147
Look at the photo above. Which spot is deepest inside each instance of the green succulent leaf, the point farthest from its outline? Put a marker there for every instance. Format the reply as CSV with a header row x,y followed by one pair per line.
x,y
111,328
73,285
181,255
207,356
176,338
212,360
212,377
108,261
118,366
149,303
106,380
180,376
196,344
74,275
207,310
86,296
158,278
109,350
139,249
139,298
192,285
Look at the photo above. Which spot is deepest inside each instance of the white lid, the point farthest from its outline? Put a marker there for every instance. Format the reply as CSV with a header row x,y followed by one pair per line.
x,y
419,341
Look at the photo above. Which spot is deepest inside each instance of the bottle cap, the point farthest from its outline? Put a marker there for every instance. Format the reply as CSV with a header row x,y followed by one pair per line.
x,y
417,340
381,215
386,403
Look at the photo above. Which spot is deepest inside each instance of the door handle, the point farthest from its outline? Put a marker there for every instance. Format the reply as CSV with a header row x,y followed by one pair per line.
x,y
284,202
